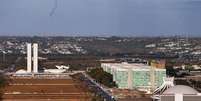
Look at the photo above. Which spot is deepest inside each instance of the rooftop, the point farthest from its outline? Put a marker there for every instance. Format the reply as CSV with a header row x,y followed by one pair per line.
x,y
134,66
181,89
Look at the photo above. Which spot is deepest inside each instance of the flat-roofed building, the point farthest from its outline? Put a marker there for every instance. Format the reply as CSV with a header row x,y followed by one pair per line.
x,y
135,76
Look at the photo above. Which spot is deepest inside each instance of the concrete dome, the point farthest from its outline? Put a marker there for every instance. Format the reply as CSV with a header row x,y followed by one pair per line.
x,y
182,89
21,71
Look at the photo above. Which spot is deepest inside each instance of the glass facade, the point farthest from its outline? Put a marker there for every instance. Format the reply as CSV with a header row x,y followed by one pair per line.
x,y
159,77
137,78
140,78
121,78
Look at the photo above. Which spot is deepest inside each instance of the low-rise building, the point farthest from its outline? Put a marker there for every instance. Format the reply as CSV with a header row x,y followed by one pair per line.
x,y
135,76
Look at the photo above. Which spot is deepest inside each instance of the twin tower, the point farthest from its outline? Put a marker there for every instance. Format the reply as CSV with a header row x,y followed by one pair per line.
x,y
32,59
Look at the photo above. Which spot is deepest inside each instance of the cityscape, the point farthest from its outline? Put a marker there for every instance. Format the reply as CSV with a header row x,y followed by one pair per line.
x,y
100,50
100,68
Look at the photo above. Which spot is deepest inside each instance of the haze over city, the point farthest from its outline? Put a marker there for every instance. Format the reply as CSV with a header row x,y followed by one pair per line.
x,y
100,50
100,17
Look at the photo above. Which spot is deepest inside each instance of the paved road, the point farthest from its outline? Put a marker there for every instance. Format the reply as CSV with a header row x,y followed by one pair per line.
x,y
104,93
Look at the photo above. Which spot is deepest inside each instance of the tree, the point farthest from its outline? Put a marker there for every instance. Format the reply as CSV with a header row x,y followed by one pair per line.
x,y
102,77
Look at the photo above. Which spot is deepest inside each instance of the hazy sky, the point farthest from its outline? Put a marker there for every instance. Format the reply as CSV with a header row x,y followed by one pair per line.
x,y
101,17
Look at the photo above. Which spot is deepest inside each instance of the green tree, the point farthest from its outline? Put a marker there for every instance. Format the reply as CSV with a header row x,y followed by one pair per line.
x,y
102,77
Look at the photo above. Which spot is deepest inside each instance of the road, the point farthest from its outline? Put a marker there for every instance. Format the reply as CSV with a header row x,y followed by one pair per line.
x,y
104,93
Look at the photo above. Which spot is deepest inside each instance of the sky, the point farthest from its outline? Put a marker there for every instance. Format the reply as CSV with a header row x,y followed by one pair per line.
x,y
100,17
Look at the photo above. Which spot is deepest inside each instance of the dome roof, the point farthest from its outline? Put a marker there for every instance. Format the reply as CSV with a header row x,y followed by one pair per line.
x,y
182,89
21,71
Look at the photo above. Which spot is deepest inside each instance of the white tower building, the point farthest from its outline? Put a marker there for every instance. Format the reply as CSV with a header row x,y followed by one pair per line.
x,y
33,58
29,61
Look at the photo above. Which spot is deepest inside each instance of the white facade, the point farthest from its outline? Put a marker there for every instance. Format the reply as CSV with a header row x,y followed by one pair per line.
x,y
55,71
178,97
29,60
135,76
35,58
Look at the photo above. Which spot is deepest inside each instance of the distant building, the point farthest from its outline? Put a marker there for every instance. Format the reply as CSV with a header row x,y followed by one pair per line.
x,y
158,63
135,76
150,46
180,93
168,91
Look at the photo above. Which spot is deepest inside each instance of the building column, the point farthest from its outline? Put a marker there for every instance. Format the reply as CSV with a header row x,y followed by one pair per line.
x,y
130,83
178,97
